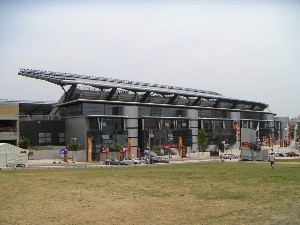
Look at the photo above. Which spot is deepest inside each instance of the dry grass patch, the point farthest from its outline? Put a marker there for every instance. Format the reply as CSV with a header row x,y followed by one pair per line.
x,y
208,193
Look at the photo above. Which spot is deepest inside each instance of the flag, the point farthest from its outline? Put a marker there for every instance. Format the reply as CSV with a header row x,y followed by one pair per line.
x,y
296,127
286,127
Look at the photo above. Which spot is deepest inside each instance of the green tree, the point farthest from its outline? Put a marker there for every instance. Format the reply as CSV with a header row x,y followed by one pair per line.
x,y
202,139
24,142
73,146
117,147
155,148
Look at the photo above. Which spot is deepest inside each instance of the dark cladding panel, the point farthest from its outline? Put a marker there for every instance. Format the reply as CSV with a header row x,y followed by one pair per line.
x,y
43,132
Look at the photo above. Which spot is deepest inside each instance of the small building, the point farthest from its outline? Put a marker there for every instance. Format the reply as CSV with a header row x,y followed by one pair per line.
x,y
9,122
11,155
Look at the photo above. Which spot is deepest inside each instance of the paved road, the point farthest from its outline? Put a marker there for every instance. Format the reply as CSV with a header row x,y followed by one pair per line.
x,y
50,163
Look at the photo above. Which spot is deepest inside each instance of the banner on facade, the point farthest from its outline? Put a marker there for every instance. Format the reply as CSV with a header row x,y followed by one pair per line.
x,y
180,145
90,147
129,148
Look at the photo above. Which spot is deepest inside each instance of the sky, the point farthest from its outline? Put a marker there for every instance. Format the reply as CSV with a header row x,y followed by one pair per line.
x,y
249,50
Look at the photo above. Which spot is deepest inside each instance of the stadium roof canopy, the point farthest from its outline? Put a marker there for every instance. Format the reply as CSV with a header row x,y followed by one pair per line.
x,y
119,90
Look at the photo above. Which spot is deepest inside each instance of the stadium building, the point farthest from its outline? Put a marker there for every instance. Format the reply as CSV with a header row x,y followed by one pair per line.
x,y
100,112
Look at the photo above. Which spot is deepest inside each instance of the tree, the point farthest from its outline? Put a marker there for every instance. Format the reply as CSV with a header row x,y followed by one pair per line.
x,y
24,142
254,147
117,147
202,139
73,146
155,148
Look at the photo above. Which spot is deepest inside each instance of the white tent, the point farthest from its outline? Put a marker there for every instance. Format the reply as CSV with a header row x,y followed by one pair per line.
x,y
11,155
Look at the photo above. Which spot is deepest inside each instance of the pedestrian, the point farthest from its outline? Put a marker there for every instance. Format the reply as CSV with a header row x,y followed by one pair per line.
x,y
222,157
272,160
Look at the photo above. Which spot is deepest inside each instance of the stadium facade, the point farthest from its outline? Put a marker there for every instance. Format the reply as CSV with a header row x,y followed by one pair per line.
x,y
100,112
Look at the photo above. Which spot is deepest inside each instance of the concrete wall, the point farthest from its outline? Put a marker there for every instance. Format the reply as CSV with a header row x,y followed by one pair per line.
x,y
131,124
33,128
284,127
79,156
193,115
9,111
77,128
235,115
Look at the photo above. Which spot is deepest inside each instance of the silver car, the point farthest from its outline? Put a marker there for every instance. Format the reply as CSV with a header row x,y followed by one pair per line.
x,y
230,156
144,160
131,161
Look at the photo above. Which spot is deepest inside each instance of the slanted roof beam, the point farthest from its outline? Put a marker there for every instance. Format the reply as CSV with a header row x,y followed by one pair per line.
x,y
252,106
217,104
111,94
234,105
196,102
70,92
145,96
172,99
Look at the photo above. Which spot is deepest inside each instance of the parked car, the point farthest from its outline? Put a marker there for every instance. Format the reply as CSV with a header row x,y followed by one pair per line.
x,y
230,156
144,160
131,161
123,162
106,161
20,165
292,154
279,154
153,160
114,162
162,160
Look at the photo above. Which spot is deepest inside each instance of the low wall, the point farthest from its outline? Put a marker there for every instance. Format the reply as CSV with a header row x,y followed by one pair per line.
x,y
79,156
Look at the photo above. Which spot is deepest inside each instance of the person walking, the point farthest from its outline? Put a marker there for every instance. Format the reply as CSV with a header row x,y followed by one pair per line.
x,y
272,160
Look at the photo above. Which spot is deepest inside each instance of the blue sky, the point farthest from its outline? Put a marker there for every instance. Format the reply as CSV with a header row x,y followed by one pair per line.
x,y
242,49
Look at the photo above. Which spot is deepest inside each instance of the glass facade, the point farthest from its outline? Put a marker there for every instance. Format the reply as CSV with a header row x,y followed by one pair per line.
x,y
167,125
105,132
90,109
73,110
160,111
165,131
207,113
101,109
218,131
253,116
106,124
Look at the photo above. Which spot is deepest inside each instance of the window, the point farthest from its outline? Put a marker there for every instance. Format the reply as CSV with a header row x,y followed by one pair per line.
x,y
93,109
206,113
44,138
144,111
61,137
112,109
252,115
106,124
74,110
101,109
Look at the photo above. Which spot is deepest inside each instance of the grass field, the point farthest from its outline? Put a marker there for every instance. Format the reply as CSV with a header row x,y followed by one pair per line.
x,y
199,193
